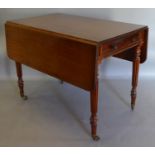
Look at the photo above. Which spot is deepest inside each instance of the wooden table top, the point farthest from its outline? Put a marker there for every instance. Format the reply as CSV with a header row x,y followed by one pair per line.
x,y
77,27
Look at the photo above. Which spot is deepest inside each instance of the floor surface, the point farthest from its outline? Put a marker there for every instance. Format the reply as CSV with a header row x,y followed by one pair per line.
x,y
58,115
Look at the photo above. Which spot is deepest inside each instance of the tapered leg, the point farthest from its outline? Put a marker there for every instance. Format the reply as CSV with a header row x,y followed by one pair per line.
x,y
94,106
135,72
20,80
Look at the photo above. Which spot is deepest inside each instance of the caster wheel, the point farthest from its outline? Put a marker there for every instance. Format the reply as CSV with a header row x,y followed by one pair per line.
x,y
132,107
96,138
24,98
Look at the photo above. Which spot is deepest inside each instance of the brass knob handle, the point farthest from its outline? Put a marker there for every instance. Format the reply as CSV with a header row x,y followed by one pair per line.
x,y
133,39
114,47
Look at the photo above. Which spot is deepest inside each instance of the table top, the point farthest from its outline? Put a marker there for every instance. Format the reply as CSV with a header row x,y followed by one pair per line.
x,y
78,27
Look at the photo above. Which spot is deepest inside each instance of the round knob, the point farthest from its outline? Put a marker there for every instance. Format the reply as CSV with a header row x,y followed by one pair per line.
x,y
133,39
114,47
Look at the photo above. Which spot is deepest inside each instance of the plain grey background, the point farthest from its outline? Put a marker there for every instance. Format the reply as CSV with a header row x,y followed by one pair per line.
x,y
110,68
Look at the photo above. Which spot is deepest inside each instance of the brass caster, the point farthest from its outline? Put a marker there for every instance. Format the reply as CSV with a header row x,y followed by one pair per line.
x,y
24,97
132,107
96,138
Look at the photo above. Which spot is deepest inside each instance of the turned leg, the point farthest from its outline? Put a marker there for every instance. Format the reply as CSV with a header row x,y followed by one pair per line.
x,y
135,71
94,106
20,80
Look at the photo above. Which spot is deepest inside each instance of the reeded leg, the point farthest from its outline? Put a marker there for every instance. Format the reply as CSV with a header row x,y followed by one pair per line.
x,y
135,72
20,80
93,118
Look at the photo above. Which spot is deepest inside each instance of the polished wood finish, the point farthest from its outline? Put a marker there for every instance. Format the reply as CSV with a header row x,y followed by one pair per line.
x,y
71,49
74,63
83,29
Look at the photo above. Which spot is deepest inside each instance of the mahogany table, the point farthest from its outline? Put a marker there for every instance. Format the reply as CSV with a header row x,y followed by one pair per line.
x,y
72,47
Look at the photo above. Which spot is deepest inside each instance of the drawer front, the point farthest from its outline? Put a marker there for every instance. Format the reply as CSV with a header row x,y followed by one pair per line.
x,y
118,45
